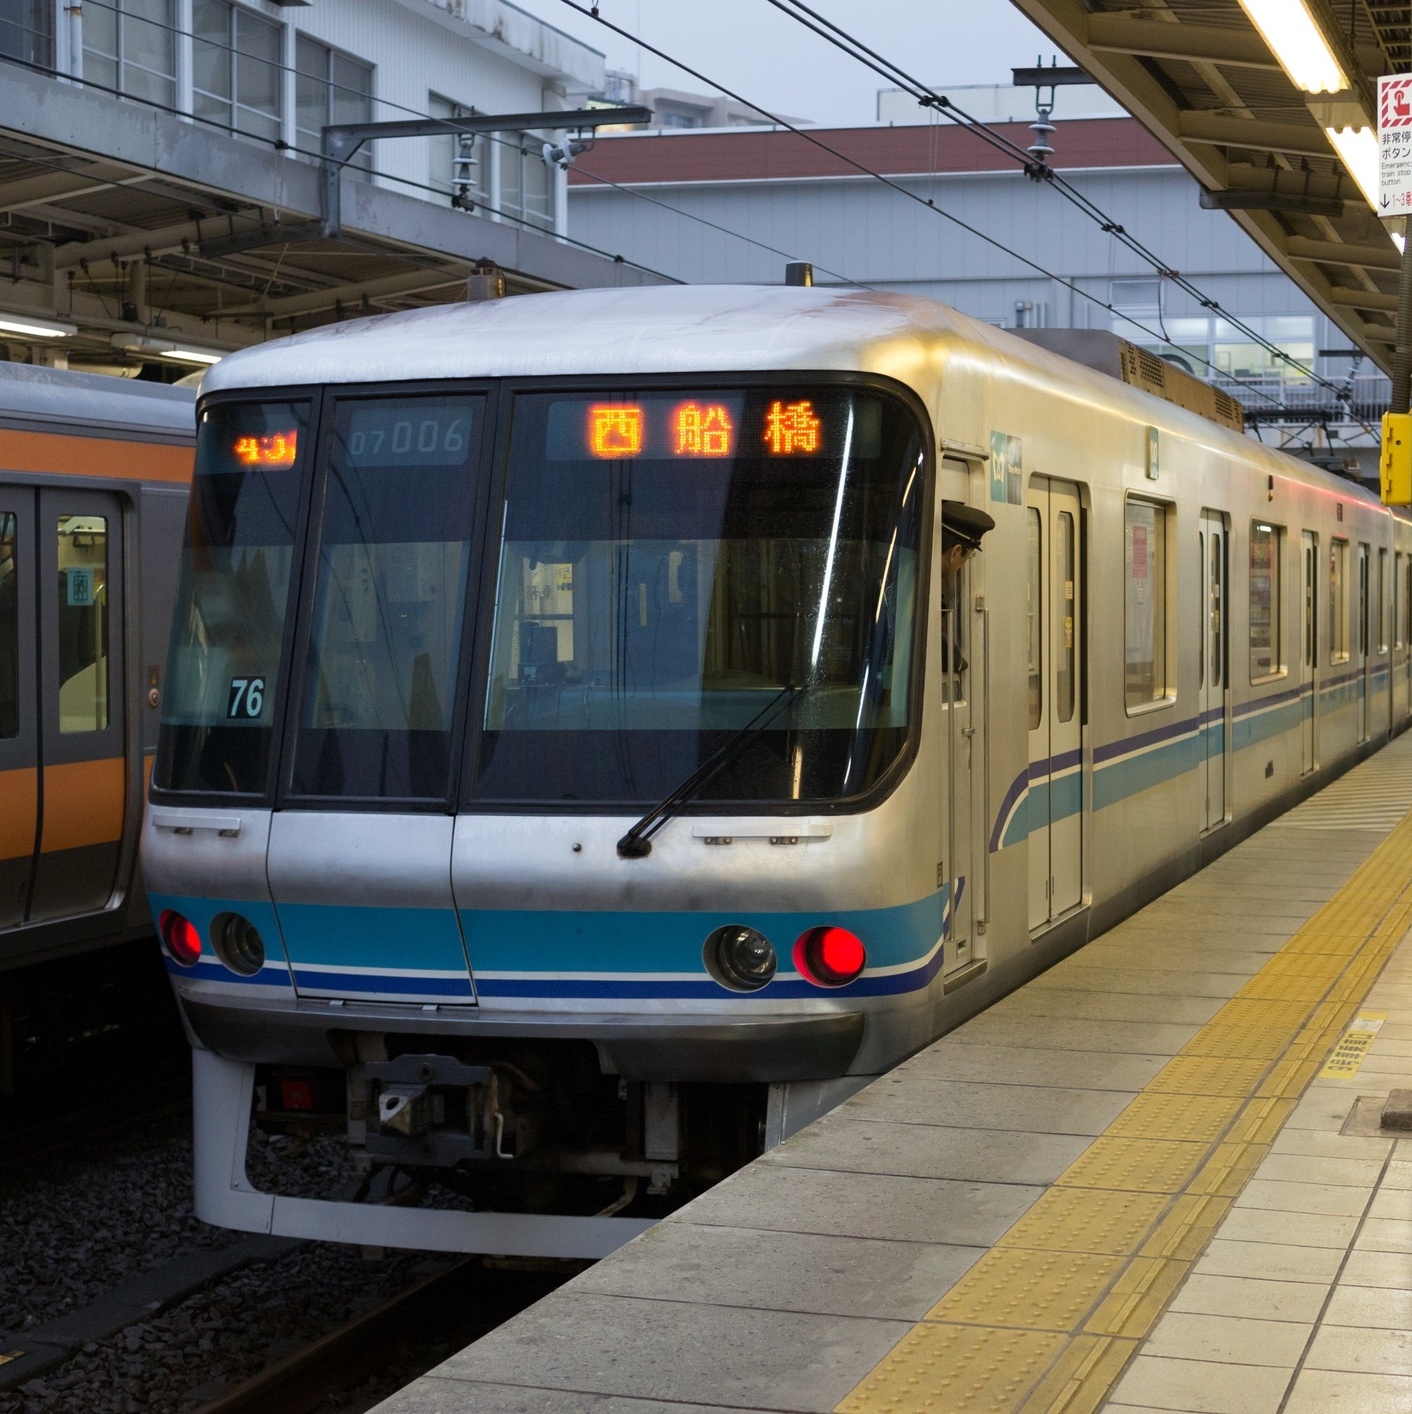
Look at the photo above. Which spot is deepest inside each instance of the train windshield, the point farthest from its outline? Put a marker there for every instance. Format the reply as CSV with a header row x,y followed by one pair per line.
x,y
671,561
232,599
390,554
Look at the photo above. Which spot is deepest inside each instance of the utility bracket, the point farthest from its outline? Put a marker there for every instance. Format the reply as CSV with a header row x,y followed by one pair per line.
x,y
341,142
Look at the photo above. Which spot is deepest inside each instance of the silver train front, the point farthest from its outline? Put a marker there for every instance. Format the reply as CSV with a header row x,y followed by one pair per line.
x,y
997,848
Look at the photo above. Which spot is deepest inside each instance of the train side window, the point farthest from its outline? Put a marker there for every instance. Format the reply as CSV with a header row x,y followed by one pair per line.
x,y
83,623
1145,678
1338,601
1034,616
1065,677
1380,602
9,628
1267,659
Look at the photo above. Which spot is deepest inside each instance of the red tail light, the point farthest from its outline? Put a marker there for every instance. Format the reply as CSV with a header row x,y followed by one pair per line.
x,y
829,956
180,937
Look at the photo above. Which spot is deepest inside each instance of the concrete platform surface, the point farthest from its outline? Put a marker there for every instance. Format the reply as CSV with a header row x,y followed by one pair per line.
x,y
1139,1184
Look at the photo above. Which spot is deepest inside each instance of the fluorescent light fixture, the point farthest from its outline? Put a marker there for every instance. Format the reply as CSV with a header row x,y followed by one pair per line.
x,y
34,328
1357,149
192,356
1296,40
166,348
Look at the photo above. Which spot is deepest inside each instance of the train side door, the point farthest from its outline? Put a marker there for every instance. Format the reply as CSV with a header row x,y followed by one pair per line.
x,y
1054,658
82,722
19,734
1363,664
1308,649
962,676
1214,685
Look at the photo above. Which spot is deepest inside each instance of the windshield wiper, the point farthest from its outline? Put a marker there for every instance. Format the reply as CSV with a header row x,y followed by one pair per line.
x,y
637,843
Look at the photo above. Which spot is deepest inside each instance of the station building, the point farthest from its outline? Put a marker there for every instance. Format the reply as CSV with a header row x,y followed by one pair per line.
x,y
734,204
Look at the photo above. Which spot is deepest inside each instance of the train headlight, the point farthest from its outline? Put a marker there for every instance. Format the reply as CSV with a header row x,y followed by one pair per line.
x,y
740,958
829,956
238,944
180,937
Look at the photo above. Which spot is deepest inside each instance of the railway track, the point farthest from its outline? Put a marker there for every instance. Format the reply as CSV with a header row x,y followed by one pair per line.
x,y
376,1353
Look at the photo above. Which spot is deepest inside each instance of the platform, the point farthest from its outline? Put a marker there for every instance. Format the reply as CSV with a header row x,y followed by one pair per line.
x,y
1143,1182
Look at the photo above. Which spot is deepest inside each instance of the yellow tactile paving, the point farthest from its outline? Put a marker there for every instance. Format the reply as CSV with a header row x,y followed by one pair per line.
x,y
1032,1290
957,1370
1045,1322
1086,1220
1158,1114
1126,1164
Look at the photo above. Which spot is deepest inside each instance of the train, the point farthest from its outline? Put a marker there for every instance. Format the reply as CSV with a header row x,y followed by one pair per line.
x,y
94,473
576,772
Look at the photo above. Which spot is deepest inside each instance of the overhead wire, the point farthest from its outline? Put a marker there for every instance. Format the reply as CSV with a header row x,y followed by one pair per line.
x,y
1034,167
930,204
715,226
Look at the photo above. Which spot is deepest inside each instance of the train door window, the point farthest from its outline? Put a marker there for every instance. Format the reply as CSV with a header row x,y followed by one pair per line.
x,y
1065,678
1034,611
397,508
82,622
1311,623
9,626
1338,601
1266,620
1145,603
1396,610
1215,611
1364,602
1380,603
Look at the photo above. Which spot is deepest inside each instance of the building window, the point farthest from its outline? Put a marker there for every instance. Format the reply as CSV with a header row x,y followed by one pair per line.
x,y
1338,601
235,63
460,162
1266,560
330,88
130,46
1145,603
527,183
27,31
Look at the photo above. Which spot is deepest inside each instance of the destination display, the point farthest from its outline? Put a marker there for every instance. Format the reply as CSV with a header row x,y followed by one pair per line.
x,y
712,426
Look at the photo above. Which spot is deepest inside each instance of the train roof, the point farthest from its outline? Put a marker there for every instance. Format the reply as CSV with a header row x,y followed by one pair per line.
x,y
677,329
668,329
32,396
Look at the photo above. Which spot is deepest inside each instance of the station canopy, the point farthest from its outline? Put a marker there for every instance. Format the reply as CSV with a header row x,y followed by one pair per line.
x,y
1271,106
132,238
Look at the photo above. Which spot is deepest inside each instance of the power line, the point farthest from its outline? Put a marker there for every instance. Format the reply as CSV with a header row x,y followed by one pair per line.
x,y
725,230
862,167
1034,168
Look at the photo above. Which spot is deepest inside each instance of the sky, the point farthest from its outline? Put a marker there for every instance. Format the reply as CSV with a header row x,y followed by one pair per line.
x,y
752,47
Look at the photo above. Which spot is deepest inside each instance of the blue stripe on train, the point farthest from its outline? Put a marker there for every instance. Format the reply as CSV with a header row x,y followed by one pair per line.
x,y
1149,758
565,954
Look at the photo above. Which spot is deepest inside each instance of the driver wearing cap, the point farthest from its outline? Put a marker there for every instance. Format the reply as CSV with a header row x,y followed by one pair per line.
x,y
962,528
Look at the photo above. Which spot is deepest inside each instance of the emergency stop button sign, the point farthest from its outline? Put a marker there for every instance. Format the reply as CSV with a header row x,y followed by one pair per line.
x,y
1394,145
